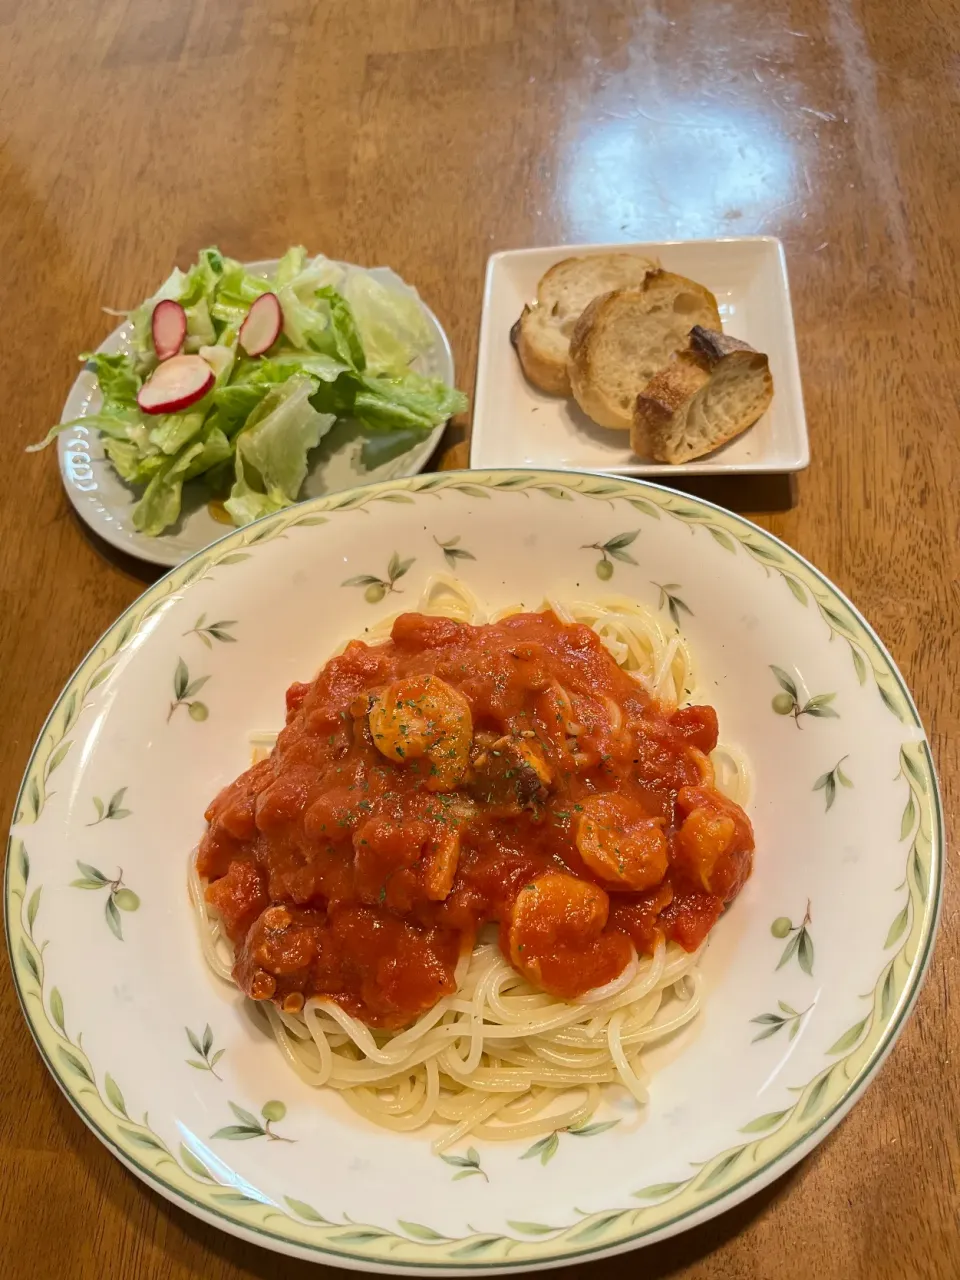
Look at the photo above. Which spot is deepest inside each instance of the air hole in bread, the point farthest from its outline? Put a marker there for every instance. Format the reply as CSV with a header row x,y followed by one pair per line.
x,y
684,303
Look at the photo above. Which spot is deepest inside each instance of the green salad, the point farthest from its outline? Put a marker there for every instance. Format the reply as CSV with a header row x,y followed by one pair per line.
x,y
236,378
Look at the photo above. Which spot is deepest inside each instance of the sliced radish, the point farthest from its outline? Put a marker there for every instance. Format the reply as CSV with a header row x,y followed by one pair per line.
x,y
262,326
169,326
176,384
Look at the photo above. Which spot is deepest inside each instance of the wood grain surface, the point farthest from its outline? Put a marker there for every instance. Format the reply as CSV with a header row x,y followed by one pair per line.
x,y
427,134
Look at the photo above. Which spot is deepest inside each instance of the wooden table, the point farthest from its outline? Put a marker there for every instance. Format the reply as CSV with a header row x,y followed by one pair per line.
x,y
428,134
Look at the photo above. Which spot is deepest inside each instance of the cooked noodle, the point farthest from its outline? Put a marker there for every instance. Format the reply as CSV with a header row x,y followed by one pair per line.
x,y
500,1059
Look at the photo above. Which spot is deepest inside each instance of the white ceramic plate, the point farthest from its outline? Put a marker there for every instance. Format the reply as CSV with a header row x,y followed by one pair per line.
x,y
105,502
515,425
809,977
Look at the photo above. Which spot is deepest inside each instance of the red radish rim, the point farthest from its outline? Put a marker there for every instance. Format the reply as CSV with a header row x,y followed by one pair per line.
x,y
262,326
176,384
168,327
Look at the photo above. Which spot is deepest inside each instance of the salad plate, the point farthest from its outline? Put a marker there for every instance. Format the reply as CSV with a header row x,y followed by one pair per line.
x,y
105,502
807,981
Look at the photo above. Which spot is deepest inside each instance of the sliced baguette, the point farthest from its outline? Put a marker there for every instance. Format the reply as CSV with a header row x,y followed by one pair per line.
x,y
542,334
625,336
708,393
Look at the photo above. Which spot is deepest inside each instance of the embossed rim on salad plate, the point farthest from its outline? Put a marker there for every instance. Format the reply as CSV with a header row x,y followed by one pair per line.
x,y
774,1142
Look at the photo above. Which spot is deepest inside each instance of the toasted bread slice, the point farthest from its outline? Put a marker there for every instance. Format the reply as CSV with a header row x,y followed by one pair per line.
x,y
709,392
542,334
625,336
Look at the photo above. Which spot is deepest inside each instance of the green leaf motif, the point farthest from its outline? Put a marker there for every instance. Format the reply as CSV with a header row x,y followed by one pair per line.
x,y
75,1064
909,817
24,862
898,926
420,1232
56,1010
849,1038
194,1165
785,682
532,1228
29,959
33,906
595,1228
113,917
919,872
545,1148
141,1139
790,950
763,1123
245,1117
238,1133
648,509
58,757
724,539
589,1130
912,769
796,589
306,1212
554,491
887,995
858,664
91,873
236,556
805,952
114,1096
659,1190
719,1171
816,1094
181,678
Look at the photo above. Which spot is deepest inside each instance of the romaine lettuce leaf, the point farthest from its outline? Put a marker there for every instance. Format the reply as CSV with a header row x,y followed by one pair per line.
x,y
160,505
272,449
391,323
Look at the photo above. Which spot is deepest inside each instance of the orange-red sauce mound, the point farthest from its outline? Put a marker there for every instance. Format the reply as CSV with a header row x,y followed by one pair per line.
x,y
458,775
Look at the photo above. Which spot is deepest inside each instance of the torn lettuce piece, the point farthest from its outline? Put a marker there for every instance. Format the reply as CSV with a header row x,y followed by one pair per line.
x,y
272,449
405,403
131,463
390,321
383,447
119,383
160,505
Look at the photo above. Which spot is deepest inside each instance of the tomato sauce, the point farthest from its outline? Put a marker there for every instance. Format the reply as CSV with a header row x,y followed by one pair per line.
x,y
456,776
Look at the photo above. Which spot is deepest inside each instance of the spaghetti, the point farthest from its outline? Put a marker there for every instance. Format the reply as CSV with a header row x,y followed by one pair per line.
x,y
498,1056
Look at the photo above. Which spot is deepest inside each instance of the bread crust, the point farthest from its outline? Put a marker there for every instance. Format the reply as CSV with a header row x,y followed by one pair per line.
x,y
544,367
673,390
591,329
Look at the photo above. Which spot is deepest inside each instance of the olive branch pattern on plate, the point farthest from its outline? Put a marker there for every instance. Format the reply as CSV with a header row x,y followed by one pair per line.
x,y
111,811
184,691
119,897
828,782
453,553
376,588
612,549
251,1127
767,1138
789,703
671,601
202,1047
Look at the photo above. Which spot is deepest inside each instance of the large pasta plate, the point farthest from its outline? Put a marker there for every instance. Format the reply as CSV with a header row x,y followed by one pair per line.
x,y
808,979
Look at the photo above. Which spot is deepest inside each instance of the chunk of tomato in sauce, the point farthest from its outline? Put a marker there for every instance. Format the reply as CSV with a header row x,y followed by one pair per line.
x,y
699,726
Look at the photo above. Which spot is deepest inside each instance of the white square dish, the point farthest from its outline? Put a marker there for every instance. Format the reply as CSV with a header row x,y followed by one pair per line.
x,y
515,424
